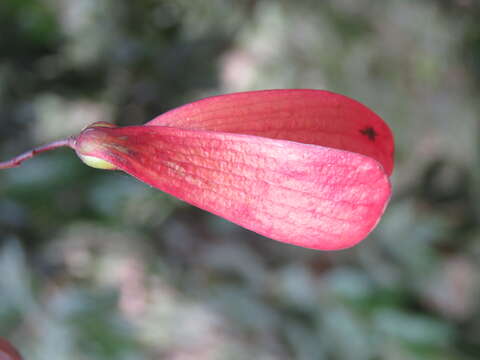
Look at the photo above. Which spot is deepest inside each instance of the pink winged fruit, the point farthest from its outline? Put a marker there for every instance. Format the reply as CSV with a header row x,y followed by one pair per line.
x,y
7,351
305,167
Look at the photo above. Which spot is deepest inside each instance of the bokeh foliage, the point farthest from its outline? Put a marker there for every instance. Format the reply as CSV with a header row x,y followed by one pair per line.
x,y
95,265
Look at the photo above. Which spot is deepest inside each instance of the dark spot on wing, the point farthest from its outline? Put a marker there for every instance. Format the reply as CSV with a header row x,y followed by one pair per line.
x,y
369,132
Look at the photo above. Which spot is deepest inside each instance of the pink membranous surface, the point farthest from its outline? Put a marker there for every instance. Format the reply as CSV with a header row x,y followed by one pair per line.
x,y
8,351
305,167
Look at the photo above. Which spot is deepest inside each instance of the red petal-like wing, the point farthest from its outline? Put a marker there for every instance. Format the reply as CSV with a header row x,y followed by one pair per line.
x,y
308,116
7,351
306,195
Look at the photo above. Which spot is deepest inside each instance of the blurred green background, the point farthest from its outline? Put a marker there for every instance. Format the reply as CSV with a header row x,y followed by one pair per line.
x,y
95,265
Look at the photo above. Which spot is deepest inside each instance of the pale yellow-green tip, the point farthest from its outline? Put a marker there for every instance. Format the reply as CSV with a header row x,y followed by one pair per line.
x,y
96,163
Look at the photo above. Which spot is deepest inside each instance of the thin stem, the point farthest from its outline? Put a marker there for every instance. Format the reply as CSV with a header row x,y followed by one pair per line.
x,y
17,160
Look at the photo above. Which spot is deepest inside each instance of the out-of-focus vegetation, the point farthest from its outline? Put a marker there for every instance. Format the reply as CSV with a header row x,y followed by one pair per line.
x,y
95,265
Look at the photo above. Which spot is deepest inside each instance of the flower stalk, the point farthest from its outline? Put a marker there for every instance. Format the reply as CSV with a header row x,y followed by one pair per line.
x,y
18,160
